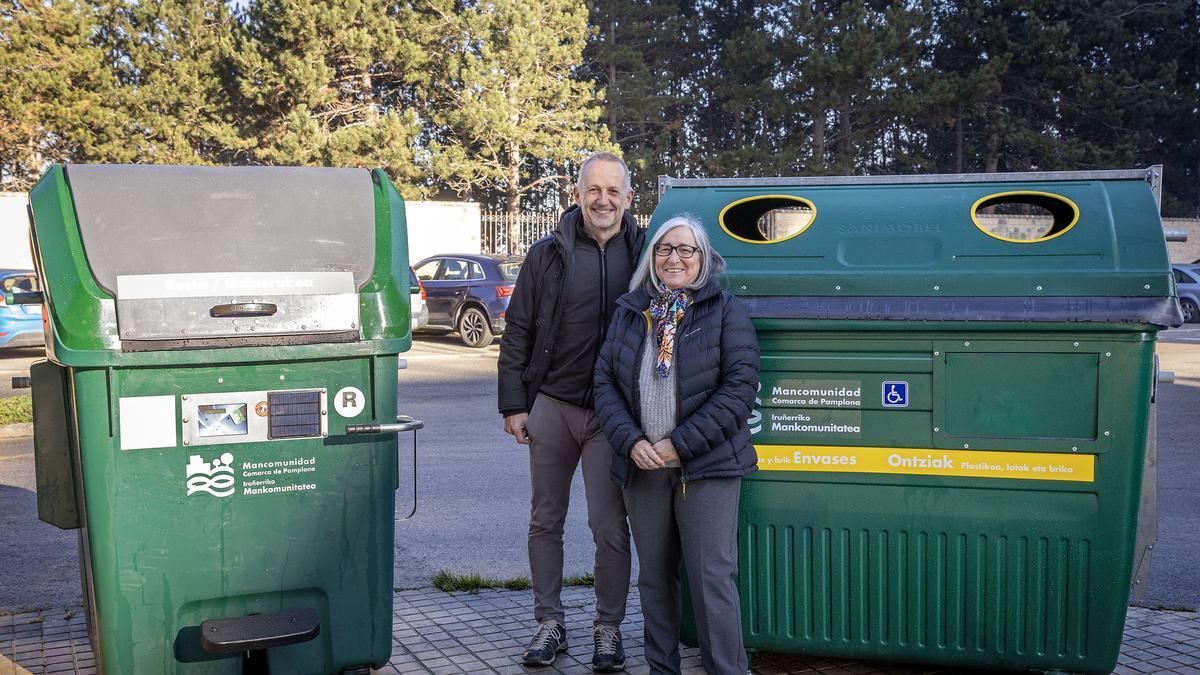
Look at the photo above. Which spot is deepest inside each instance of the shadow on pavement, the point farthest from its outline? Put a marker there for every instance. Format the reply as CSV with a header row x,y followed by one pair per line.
x,y
41,562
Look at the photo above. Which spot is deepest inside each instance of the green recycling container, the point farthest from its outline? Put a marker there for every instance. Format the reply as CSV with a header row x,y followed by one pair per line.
x,y
957,374
217,412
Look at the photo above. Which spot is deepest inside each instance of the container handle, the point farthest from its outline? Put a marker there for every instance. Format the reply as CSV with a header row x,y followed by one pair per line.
x,y
405,420
24,297
403,423
240,309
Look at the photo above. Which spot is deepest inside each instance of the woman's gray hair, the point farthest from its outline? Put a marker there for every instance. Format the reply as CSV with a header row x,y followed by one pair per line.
x,y
711,263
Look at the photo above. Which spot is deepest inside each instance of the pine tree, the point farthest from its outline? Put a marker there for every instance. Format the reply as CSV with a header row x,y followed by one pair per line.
x,y
319,85
1135,62
1015,68
641,54
859,70
175,68
1177,143
507,103
60,99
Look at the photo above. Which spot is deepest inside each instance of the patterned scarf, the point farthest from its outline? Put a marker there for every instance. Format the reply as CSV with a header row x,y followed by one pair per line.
x,y
667,312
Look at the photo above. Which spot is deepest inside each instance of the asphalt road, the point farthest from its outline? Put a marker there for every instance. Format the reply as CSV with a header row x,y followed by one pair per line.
x,y
1175,566
473,479
473,486
39,563
14,362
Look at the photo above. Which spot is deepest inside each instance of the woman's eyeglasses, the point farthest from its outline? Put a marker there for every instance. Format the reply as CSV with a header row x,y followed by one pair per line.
x,y
683,250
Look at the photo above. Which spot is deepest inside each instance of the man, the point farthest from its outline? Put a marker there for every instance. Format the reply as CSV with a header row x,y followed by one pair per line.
x,y
565,297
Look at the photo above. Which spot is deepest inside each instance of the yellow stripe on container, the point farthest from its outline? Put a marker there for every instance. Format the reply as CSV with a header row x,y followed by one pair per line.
x,y
928,462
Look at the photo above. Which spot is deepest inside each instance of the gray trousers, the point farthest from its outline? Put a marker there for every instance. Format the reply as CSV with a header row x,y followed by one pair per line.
x,y
560,436
700,530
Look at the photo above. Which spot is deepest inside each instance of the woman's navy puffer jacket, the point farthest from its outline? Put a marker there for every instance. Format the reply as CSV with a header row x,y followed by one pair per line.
x,y
716,357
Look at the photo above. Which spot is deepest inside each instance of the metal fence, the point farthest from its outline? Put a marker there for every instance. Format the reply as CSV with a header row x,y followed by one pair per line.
x,y
508,234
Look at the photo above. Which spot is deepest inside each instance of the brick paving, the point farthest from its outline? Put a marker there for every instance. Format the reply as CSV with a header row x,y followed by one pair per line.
x,y
436,632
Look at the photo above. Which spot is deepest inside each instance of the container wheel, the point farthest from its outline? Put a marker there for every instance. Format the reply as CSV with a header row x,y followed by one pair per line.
x,y
474,328
1190,311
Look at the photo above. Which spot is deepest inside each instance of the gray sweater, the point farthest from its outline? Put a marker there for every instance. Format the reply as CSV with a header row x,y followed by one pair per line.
x,y
658,405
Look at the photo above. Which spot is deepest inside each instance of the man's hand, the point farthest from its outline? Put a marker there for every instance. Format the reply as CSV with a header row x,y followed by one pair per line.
x,y
515,424
645,457
665,450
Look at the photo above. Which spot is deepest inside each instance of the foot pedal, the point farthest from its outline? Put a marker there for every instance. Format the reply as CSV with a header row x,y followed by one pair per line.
x,y
260,631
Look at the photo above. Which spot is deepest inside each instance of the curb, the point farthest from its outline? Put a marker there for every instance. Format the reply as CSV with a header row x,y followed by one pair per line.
x,y
22,430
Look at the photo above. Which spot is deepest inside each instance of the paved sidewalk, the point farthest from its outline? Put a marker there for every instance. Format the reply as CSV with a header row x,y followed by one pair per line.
x,y
436,632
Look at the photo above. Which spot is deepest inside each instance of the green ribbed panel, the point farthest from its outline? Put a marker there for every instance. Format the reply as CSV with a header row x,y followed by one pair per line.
x,y
938,596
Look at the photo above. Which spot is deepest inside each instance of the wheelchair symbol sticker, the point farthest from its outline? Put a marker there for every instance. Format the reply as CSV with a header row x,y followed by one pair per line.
x,y
895,394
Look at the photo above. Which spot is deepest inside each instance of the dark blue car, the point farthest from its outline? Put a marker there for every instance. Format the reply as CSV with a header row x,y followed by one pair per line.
x,y
468,292
20,325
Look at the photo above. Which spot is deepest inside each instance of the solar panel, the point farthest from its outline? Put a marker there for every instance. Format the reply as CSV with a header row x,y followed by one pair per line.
x,y
294,414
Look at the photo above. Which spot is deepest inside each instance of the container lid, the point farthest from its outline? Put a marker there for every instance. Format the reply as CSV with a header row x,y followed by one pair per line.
x,y
1042,247
200,253
141,219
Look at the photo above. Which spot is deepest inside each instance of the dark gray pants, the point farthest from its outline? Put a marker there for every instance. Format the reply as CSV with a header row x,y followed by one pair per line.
x,y
560,436
702,531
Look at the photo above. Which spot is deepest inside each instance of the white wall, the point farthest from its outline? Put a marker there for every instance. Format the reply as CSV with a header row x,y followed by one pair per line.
x,y
1184,251
14,231
441,227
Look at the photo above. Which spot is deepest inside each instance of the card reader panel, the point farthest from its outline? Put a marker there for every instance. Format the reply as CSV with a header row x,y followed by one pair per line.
x,y
253,416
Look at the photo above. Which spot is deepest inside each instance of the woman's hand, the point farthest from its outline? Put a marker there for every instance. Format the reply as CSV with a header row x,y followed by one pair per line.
x,y
645,456
665,450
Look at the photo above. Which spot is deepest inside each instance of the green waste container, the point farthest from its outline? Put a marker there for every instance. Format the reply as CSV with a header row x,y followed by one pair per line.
x,y
218,339
957,374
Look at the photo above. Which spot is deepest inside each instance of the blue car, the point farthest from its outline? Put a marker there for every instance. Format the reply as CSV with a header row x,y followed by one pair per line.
x,y
469,293
1187,284
20,325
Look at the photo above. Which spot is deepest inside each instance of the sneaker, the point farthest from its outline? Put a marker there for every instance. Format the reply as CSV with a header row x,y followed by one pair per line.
x,y
609,655
547,642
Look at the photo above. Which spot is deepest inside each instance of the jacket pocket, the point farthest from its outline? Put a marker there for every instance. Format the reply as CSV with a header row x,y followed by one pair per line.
x,y
532,373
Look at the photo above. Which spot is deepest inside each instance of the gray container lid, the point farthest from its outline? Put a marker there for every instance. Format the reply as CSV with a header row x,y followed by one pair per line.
x,y
146,219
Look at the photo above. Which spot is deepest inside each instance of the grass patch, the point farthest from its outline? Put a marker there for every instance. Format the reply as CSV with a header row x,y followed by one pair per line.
x,y
517,583
16,409
452,582
585,579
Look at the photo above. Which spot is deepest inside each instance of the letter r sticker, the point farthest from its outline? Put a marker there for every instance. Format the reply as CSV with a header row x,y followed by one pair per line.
x,y
349,402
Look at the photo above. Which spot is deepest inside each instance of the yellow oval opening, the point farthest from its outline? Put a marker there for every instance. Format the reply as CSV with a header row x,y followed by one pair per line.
x,y
767,219
1024,217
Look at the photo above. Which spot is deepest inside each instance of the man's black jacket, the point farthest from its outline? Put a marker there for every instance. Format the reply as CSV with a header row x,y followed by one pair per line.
x,y
532,318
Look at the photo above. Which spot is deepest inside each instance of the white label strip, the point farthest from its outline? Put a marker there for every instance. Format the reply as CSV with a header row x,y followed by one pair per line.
x,y
215,284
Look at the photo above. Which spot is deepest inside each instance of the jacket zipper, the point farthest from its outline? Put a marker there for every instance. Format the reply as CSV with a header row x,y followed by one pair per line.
x,y
687,317
589,398
603,293
637,360
637,388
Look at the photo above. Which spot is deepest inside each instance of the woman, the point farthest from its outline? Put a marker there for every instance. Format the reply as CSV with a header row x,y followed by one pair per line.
x,y
675,383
